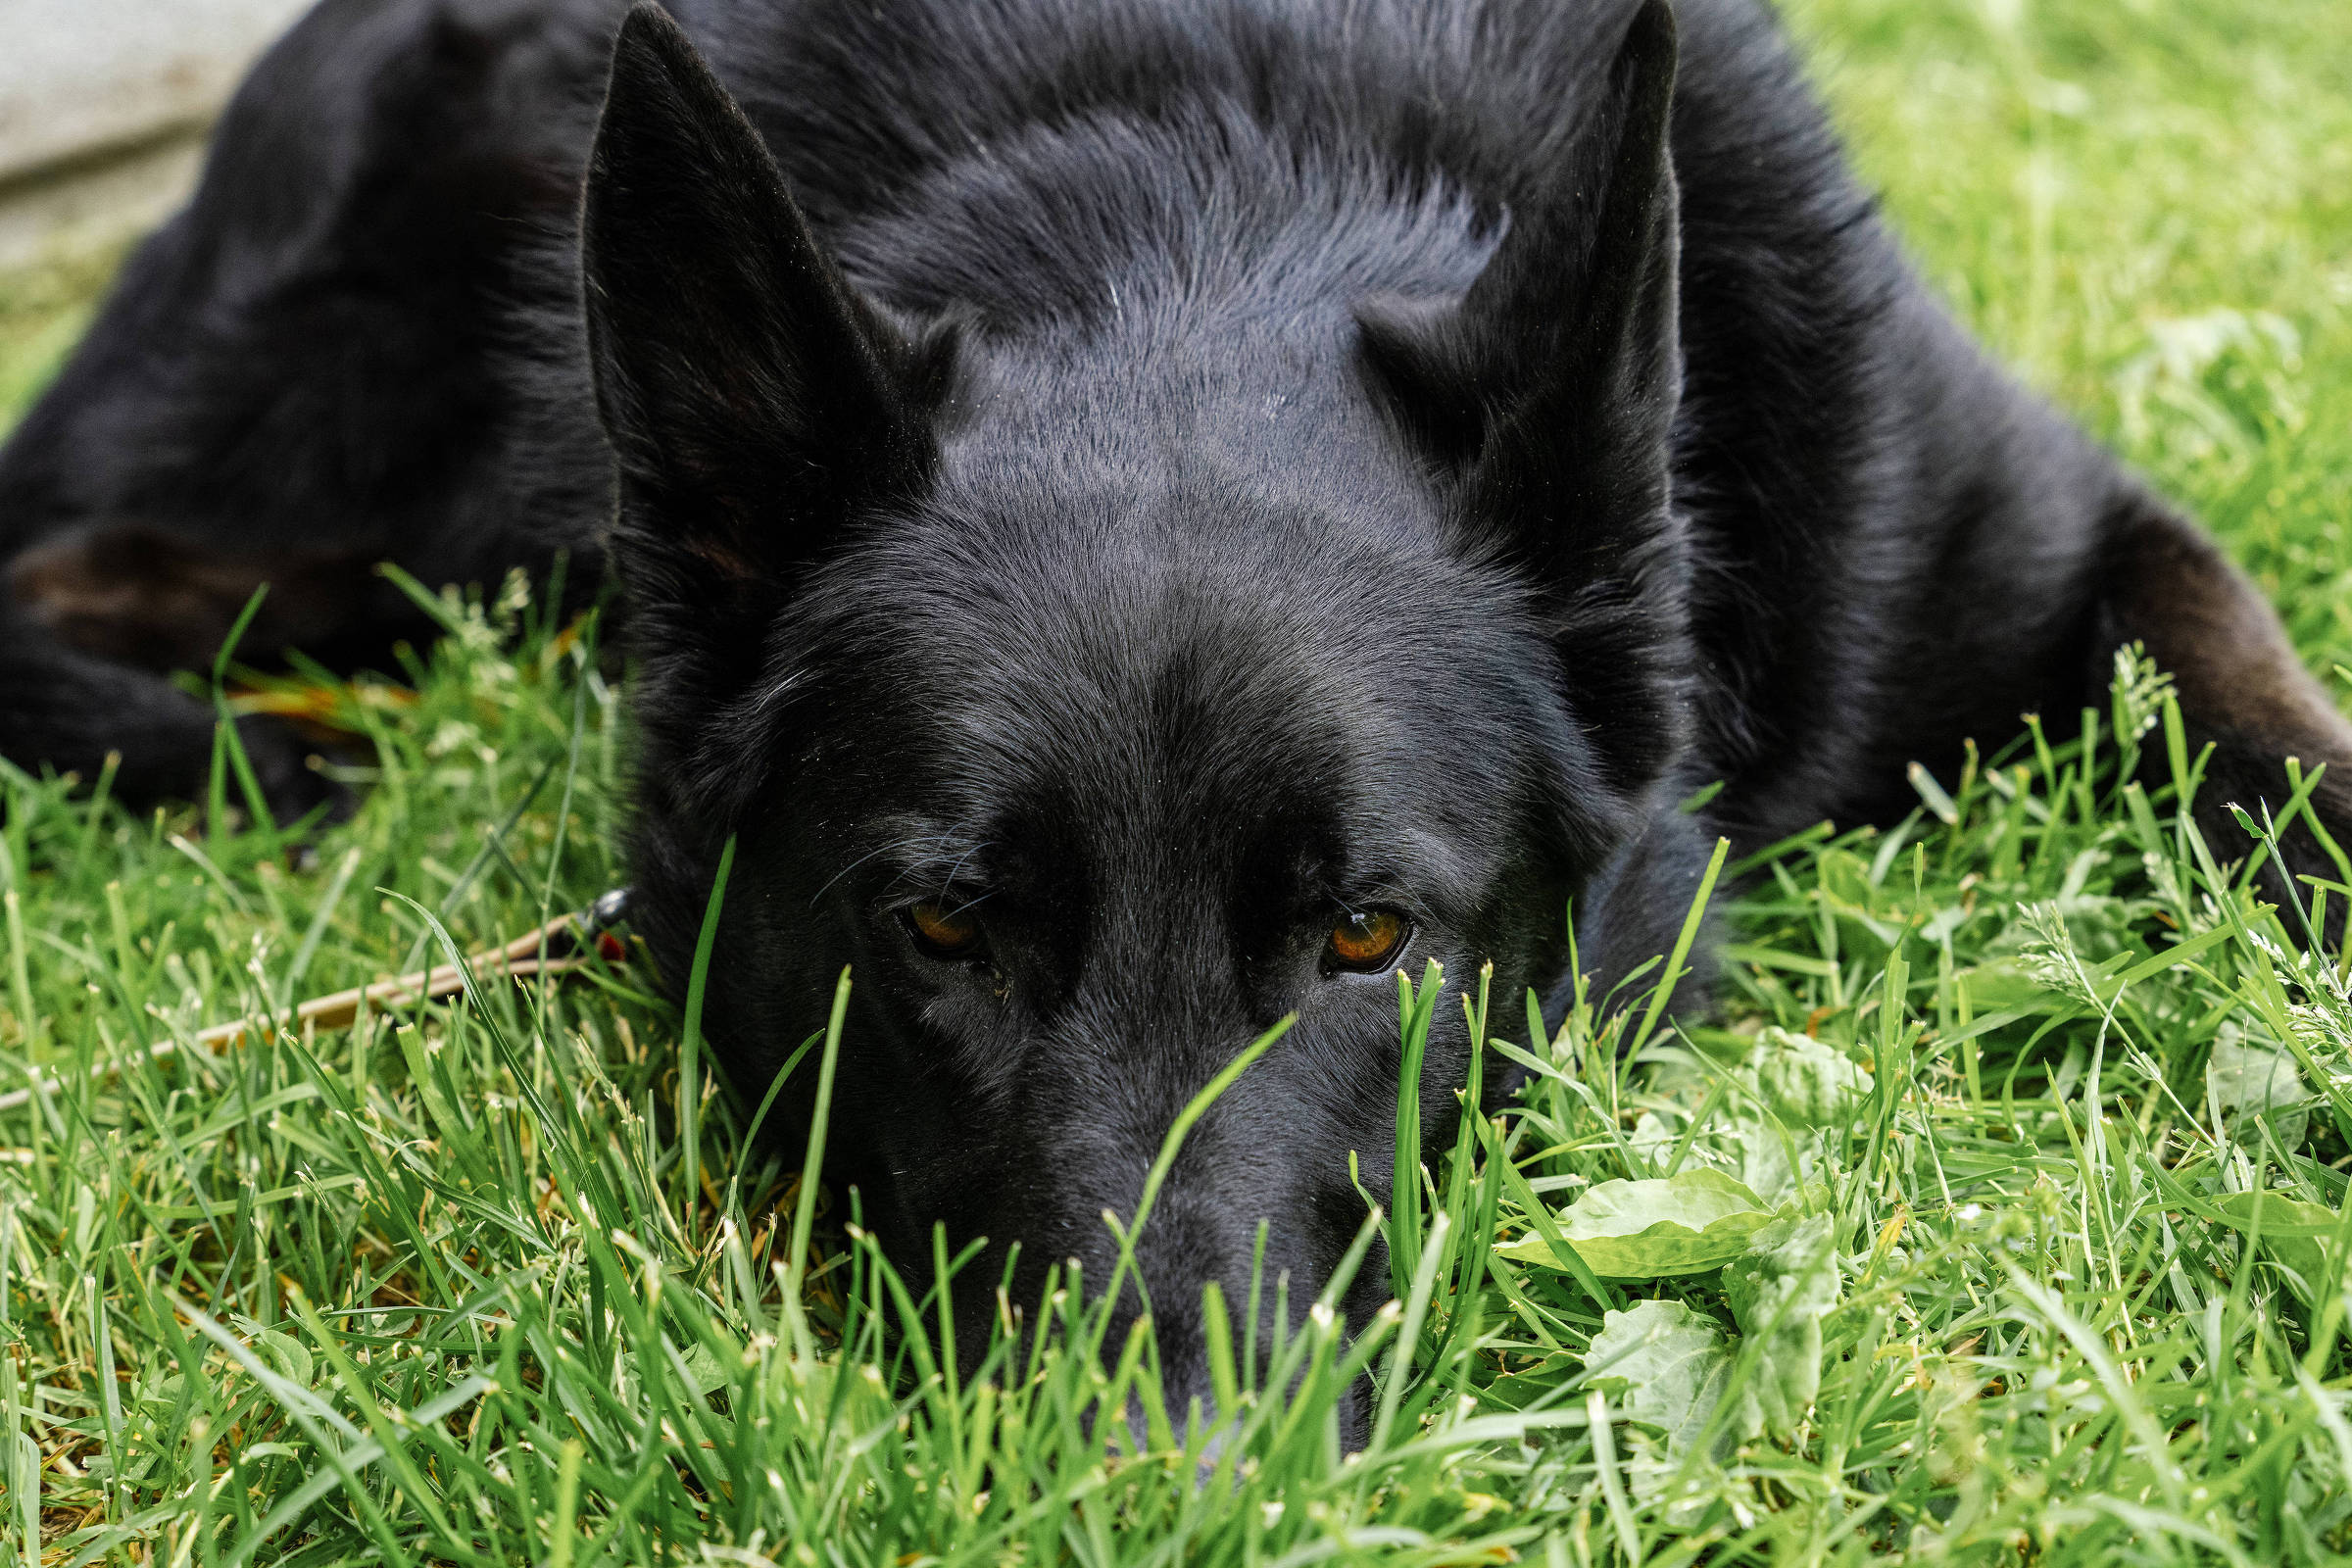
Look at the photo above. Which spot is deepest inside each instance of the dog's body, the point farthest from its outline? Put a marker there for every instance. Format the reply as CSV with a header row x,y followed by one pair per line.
x,y
1159,497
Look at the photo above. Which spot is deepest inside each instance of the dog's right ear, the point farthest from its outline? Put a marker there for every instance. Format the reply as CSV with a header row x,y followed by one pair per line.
x,y
754,402
1551,391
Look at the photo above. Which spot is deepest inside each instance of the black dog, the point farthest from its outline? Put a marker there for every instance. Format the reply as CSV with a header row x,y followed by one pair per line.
x,y
1141,516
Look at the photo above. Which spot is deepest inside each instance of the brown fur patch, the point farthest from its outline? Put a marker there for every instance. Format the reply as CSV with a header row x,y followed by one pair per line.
x,y
2230,659
154,600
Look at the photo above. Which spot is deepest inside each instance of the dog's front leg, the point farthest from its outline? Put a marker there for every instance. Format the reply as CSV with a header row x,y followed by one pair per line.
x,y
70,711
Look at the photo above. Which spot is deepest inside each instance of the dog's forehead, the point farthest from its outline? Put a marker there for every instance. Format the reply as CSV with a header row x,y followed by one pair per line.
x,y
1195,605
1220,680
1179,655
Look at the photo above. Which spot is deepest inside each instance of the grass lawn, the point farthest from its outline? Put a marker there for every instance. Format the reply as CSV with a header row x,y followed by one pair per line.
x,y
2010,1178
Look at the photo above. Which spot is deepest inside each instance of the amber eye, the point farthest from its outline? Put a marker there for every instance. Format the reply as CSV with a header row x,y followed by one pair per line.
x,y
1367,943
942,932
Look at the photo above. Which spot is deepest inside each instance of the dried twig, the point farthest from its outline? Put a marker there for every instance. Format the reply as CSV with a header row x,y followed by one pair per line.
x,y
567,943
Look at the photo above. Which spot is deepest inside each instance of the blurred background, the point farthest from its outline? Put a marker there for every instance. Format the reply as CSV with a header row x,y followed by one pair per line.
x,y
104,105
102,109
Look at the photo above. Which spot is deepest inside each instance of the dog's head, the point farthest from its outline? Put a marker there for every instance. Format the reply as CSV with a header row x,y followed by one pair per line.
x,y
1104,701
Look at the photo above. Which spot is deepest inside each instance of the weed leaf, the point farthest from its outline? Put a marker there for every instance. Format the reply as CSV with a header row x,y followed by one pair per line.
x,y
1779,1292
1686,1223
1806,1083
2251,1079
1665,1365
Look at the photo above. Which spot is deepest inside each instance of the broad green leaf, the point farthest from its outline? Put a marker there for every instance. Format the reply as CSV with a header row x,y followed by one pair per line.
x,y
1806,1083
2250,1080
1652,1138
2293,1230
291,1356
1764,1150
1686,1223
1665,1366
1779,1292
704,1369
1845,876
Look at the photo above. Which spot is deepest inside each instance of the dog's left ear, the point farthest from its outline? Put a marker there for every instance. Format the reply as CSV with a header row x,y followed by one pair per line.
x,y
1561,366
755,401
1551,390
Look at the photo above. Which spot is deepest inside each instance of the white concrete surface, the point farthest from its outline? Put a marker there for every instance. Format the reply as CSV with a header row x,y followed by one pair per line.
x,y
78,76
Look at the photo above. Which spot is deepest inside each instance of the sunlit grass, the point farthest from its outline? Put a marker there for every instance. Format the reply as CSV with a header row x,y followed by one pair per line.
x,y
42,311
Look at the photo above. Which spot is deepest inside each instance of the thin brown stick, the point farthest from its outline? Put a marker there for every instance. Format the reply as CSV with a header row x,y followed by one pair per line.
x,y
518,959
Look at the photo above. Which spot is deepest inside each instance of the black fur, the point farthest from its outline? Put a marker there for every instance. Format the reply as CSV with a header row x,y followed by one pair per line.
x,y
1149,479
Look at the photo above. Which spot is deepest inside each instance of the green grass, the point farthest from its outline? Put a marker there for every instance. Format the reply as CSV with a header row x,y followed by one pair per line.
x,y
42,311
2044,1121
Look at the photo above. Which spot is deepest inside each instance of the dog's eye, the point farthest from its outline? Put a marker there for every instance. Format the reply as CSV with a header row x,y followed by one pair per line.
x,y
1367,943
942,932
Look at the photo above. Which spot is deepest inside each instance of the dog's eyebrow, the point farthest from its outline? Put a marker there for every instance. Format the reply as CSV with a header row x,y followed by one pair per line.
x,y
1385,872
924,851
1356,894
931,856
844,872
